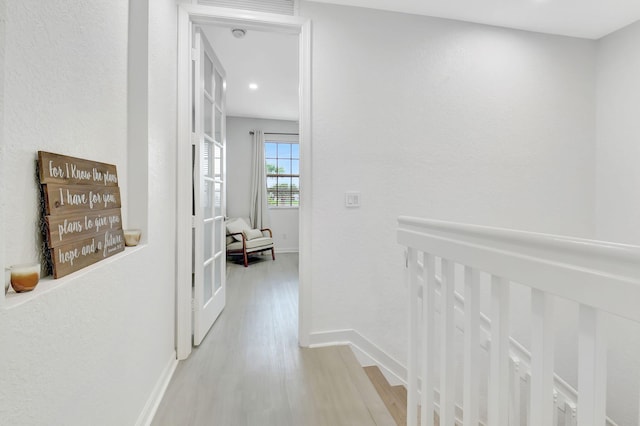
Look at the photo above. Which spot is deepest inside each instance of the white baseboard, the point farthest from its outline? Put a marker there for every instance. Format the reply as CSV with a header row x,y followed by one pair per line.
x,y
366,352
150,408
286,250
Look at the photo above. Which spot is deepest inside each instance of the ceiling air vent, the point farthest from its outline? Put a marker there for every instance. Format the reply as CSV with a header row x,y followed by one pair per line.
x,y
281,7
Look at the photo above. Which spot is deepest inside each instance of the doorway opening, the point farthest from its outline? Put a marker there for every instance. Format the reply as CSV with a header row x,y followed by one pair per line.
x,y
190,17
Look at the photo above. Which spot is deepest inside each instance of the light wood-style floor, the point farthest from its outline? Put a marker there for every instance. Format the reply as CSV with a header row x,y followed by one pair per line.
x,y
250,370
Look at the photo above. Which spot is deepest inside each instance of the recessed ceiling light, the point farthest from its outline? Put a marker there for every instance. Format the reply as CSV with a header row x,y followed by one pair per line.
x,y
253,86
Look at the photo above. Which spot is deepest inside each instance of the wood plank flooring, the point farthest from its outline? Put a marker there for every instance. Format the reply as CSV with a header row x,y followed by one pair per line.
x,y
394,397
249,370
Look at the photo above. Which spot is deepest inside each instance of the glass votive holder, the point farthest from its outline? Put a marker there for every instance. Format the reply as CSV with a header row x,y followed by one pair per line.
x,y
7,279
132,237
25,277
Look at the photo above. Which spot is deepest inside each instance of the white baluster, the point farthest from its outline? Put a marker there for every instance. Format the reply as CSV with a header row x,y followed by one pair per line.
x,y
566,417
447,354
554,414
412,381
526,409
515,392
542,351
570,420
592,368
498,410
428,338
471,346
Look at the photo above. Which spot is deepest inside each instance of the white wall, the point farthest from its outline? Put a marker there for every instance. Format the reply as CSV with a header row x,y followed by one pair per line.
x,y
2,140
618,130
284,222
442,119
91,350
617,196
469,123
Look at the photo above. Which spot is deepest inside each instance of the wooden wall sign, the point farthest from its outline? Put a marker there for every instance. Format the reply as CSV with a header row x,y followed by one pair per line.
x,y
74,256
69,228
63,199
81,211
56,168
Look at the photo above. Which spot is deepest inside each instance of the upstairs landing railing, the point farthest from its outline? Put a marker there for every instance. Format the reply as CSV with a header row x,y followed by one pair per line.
x,y
599,277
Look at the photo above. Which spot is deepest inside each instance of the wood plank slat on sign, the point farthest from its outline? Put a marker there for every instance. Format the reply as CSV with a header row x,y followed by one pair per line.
x,y
72,257
64,199
65,229
65,170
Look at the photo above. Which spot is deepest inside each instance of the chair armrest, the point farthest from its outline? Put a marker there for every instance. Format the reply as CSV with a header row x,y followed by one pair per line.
x,y
244,240
268,230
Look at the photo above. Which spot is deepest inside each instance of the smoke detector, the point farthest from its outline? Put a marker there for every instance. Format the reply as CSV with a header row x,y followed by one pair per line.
x,y
238,32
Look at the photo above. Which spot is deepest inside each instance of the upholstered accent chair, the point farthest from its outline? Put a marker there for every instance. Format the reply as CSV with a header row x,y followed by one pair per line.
x,y
242,240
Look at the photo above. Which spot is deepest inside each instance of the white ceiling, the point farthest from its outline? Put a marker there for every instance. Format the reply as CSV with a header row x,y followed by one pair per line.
x,y
269,60
577,18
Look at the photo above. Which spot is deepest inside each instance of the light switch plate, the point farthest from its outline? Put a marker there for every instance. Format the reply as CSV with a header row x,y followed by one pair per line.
x,y
352,199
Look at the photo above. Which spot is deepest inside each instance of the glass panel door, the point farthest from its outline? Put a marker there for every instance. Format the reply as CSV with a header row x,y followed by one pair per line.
x,y
209,188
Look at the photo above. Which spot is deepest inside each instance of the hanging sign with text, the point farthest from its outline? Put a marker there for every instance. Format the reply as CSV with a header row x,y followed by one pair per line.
x,y
65,229
56,168
81,211
63,199
74,256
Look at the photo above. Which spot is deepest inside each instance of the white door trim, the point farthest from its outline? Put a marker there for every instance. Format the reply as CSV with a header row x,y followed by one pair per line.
x,y
188,15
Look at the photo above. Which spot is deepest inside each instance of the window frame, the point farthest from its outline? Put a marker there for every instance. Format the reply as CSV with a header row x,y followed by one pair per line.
x,y
293,195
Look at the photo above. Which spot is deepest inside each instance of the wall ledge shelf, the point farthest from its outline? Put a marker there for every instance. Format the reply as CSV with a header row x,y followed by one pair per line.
x,y
48,284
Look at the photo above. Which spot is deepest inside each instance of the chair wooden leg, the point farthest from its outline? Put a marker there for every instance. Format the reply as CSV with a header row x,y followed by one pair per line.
x,y
273,254
246,261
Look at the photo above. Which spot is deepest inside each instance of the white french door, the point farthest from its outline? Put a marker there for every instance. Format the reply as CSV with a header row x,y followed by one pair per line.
x,y
209,187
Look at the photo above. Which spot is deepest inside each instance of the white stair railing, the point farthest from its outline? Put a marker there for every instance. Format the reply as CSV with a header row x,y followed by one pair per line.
x,y
600,277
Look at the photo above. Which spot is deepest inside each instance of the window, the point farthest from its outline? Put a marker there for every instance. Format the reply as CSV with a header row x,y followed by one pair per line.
x,y
282,166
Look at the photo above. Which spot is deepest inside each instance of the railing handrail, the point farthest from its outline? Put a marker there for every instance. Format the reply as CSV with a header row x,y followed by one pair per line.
x,y
565,243
600,274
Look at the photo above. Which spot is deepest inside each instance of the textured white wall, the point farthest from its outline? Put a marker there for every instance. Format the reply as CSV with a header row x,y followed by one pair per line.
x,y
284,222
2,141
92,350
286,234
618,130
441,119
617,194
56,101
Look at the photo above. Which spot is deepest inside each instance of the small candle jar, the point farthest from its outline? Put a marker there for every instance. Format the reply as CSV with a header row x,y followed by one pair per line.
x,y
7,279
25,277
132,237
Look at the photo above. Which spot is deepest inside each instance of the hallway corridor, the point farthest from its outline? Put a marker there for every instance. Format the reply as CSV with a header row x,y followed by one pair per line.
x,y
250,371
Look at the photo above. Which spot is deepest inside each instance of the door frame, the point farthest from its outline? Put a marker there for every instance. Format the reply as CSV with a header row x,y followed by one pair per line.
x,y
189,15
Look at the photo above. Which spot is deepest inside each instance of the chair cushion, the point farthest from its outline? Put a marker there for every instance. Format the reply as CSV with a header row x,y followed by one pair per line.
x,y
256,243
252,234
237,226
